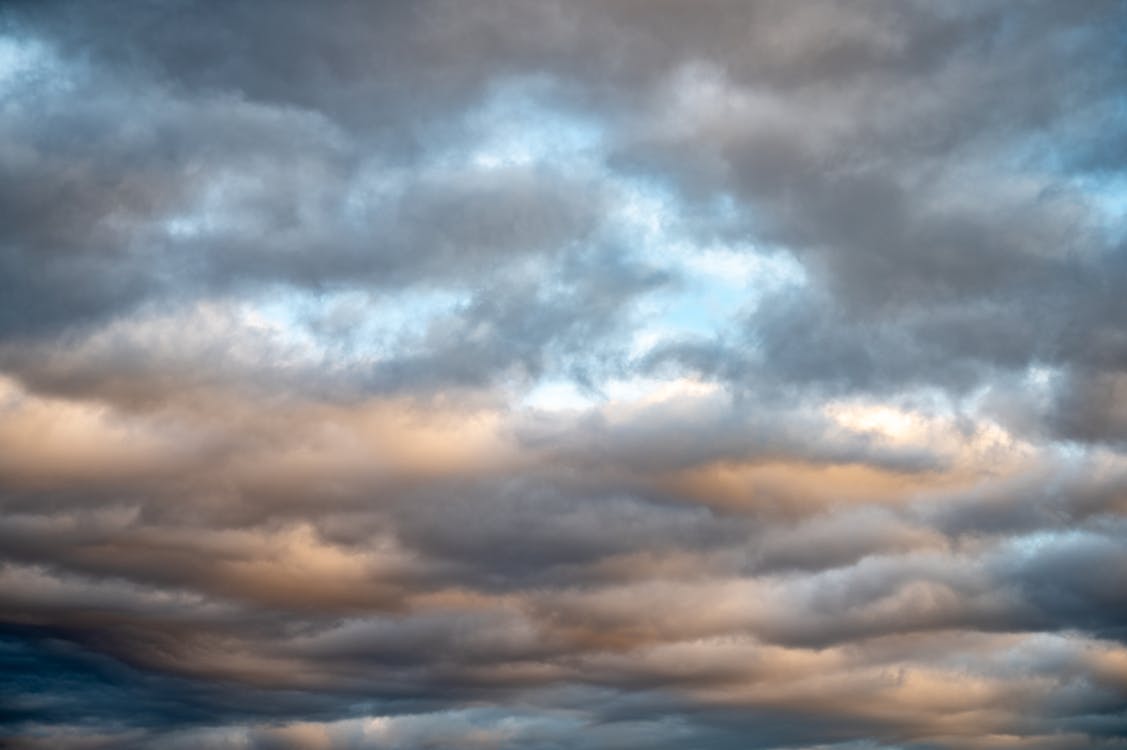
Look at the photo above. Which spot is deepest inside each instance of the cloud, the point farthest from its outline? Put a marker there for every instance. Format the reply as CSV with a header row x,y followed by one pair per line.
x,y
562,375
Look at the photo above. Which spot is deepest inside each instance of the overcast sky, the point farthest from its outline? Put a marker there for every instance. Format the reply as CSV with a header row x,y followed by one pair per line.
x,y
563,374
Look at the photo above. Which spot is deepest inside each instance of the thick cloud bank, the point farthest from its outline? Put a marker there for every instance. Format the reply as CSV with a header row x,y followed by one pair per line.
x,y
563,374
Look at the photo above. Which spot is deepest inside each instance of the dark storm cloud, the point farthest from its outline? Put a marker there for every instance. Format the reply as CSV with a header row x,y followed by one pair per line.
x,y
563,374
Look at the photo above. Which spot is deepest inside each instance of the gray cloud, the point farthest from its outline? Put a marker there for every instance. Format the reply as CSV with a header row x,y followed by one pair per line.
x,y
562,375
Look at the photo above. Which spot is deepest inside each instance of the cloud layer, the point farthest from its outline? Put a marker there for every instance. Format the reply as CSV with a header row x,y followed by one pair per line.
x,y
563,375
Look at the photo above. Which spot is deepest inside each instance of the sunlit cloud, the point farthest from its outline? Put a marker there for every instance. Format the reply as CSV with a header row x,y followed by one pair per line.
x,y
558,374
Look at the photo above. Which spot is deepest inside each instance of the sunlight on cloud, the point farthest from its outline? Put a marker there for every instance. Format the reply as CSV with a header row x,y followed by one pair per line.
x,y
563,376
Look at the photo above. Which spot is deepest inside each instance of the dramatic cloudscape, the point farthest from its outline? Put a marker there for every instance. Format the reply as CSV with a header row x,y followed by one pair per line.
x,y
563,375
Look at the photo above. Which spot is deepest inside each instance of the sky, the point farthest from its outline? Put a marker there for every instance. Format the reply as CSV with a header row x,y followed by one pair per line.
x,y
563,375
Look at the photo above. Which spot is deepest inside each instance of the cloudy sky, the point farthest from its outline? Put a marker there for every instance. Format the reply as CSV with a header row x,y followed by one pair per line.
x,y
563,374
